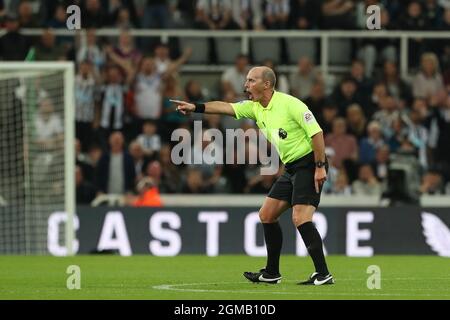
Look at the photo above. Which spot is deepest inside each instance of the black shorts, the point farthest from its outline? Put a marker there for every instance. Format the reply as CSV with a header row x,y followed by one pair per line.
x,y
296,184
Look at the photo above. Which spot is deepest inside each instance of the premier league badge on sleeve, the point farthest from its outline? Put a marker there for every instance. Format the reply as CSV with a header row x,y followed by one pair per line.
x,y
282,133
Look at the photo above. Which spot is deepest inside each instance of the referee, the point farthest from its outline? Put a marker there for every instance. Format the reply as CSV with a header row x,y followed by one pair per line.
x,y
291,127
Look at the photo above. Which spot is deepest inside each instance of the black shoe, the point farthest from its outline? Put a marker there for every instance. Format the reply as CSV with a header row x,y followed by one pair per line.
x,y
263,276
316,279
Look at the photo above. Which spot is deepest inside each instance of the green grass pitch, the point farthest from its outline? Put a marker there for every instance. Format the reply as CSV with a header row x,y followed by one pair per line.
x,y
218,278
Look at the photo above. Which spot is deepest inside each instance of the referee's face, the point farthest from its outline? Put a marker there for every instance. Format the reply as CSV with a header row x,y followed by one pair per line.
x,y
254,85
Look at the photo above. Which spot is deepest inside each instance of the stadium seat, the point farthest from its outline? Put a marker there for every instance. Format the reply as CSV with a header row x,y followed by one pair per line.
x,y
200,49
265,48
299,47
227,49
340,52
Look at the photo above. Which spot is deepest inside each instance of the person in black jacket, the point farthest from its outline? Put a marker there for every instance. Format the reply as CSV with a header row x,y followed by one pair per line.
x,y
13,45
115,169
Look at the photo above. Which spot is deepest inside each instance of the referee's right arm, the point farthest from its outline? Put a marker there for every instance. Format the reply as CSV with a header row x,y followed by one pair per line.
x,y
212,107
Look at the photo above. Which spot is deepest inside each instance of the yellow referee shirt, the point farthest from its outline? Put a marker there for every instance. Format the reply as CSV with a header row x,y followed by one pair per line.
x,y
286,122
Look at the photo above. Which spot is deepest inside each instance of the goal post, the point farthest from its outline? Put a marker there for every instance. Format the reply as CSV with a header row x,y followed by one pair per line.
x,y
37,154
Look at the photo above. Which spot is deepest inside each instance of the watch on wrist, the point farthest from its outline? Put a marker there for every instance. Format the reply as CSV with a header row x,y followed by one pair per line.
x,y
320,164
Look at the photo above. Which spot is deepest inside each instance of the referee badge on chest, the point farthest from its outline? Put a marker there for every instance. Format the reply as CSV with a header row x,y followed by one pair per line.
x,y
282,133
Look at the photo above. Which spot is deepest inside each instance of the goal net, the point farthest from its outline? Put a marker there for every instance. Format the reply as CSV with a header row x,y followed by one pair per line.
x,y
36,154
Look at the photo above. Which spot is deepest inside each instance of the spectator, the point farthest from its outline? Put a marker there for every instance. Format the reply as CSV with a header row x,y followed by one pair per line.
x,y
326,118
386,115
48,126
123,19
440,137
418,136
86,104
149,140
233,80
234,172
346,94
49,143
164,62
112,102
396,86
84,162
194,92
382,162
337,14
48,49
366,184
195,183
170,119
413,19
139,159
400,142
432,183
276,14
148,194
27,18
356,121
85,191
125,55
429,80
156,14
115,169
59,20
211,166
368,146
304,14
214,15
316,99
302,80
364,84
332,171
93,15
379,92
183,14
151,86
90,51
171,174
433,13
344,145
247,15
153,170
260,184
13,45
342,186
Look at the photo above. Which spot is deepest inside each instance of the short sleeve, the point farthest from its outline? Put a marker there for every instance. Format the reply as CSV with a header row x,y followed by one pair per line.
x,y
306,119
244,109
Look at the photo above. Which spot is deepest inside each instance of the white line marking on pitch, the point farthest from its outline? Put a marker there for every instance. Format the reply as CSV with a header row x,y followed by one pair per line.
x,y
353,292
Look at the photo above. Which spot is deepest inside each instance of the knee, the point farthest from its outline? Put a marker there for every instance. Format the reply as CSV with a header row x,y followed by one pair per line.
x,y
298,218
266,217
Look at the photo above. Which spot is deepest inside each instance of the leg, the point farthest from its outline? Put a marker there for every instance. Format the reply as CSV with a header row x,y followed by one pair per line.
x,y
302,219
269,214
305,200
274,205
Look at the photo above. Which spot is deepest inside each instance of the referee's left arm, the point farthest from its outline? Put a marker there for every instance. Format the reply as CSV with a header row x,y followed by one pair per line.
x,y
318,145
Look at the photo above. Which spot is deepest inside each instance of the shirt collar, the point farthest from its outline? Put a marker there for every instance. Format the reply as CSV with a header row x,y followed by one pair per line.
x,y
269,106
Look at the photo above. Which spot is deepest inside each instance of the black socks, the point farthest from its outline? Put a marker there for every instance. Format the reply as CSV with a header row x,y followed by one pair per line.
x,y
313,243
274,241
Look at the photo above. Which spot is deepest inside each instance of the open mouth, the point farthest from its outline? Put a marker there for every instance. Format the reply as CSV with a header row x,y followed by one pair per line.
x,y
249,95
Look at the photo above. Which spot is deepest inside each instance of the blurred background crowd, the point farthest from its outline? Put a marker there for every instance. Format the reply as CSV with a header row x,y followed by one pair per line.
x,y
124,120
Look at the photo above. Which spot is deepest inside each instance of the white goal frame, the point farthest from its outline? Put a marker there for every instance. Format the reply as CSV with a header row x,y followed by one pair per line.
x,y
68,68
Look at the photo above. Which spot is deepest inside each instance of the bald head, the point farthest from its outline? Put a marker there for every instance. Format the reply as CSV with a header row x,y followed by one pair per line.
x,y
266,74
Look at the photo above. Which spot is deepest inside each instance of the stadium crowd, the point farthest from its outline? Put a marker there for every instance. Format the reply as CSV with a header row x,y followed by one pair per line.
x,y
124,117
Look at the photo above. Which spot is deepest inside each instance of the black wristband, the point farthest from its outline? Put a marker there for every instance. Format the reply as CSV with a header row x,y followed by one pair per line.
x,y
199,108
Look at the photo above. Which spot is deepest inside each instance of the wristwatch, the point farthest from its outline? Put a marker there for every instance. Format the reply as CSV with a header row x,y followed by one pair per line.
x,y
320,164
